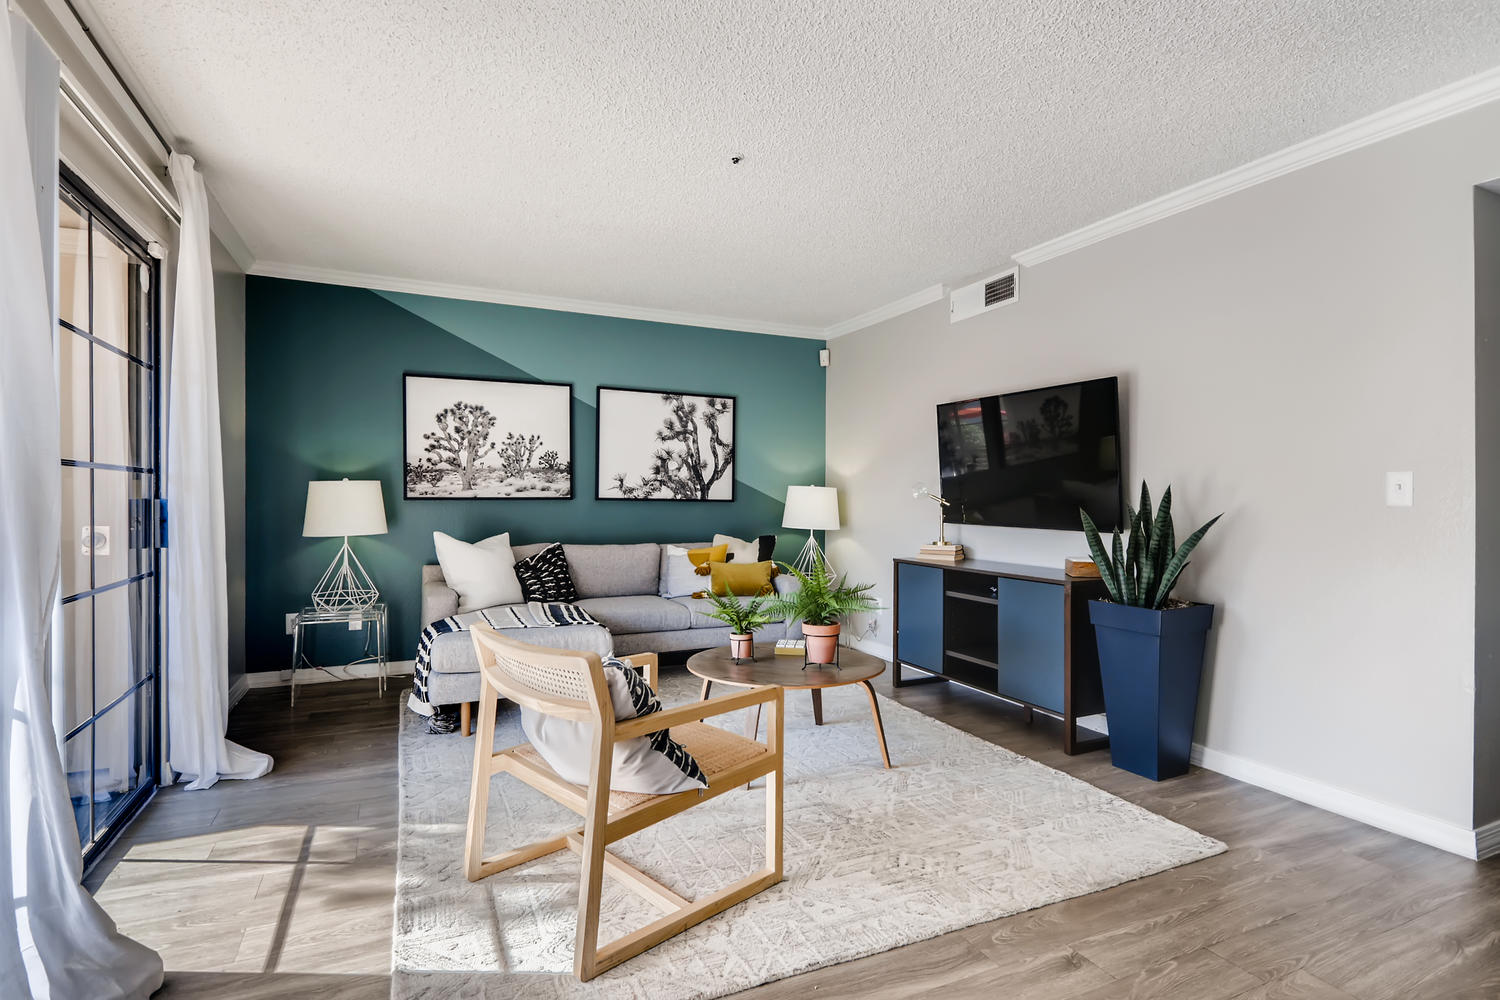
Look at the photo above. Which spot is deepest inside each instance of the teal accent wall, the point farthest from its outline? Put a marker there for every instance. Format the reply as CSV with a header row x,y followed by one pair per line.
x,y
323,400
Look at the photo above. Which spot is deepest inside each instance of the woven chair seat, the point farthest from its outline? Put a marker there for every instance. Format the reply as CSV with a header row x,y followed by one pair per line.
x,y
716,750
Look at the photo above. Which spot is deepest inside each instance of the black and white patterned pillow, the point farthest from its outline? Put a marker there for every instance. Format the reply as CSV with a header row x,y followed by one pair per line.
x,y
647,703
545,576
654,764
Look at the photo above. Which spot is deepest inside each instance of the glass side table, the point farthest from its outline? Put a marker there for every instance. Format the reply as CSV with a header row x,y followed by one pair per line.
x,y
371,620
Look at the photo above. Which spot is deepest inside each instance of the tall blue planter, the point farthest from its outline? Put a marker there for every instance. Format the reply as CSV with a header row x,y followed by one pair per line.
x,y
1151,663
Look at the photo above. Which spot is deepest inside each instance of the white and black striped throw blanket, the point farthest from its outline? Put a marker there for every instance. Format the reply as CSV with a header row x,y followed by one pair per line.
x,y
535,614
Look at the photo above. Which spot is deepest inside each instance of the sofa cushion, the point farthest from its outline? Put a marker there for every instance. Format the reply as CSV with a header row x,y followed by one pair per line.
x,y
640,613
453,652
546,577
614,570
654,764
695,607
483,573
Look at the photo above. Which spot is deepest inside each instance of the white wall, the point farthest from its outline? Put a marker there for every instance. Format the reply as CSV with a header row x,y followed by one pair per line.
x,y
1280,349
229,322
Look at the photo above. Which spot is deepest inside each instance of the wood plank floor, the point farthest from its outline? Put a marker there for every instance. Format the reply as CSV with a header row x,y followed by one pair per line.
x,y
282,887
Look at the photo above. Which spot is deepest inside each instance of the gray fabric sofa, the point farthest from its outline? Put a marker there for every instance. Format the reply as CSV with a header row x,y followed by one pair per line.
x,y
617,584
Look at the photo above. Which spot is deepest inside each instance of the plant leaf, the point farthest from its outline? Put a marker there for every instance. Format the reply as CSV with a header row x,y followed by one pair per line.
x,y
1119,563
1179,561
1155,555
1096,549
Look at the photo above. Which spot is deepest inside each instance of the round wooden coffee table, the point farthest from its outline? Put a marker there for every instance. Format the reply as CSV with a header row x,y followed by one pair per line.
x,y
716,666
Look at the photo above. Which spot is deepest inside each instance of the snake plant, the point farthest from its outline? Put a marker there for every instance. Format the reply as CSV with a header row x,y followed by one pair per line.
x,y
1143,572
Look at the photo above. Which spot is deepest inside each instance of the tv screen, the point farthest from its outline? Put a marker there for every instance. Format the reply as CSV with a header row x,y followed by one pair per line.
x,y
1033,459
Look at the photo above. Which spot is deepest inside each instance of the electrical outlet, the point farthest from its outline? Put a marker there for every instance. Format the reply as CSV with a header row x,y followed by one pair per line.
x,y
291,622
1398,489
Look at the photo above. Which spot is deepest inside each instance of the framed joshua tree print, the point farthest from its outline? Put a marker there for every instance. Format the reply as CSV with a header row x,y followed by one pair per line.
x,y
487,439
656,445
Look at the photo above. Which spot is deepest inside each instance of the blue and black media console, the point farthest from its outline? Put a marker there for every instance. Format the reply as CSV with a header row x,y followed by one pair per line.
x,y
1018,633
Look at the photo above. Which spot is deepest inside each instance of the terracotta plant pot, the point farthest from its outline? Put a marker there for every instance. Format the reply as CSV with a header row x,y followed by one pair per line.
x,y
742,647
822,642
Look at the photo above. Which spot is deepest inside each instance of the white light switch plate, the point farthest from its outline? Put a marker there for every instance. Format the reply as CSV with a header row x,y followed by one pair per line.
x,y
1398,489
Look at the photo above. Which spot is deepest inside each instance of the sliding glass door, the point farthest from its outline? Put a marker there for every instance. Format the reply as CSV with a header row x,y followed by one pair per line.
x,y
106,649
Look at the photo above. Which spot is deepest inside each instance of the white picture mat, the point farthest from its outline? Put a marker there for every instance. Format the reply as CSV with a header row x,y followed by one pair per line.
x,y
628,422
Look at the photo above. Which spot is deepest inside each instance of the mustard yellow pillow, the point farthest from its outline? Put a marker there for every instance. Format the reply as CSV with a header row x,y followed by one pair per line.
x,y
702,558
742,579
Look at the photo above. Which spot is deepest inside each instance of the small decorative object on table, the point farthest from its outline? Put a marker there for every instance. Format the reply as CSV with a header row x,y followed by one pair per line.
x,y
743,618
820,603
1150,647
940,549
791,647
1081,569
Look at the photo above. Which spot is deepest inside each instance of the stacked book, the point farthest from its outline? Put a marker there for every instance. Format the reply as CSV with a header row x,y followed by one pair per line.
x,y
950,552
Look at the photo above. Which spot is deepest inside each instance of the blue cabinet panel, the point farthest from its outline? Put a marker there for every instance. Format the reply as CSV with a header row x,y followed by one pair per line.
x,y
1030,649
919,623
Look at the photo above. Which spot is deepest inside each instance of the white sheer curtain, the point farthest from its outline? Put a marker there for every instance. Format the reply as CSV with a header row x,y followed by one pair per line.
x,y
197,591
55,941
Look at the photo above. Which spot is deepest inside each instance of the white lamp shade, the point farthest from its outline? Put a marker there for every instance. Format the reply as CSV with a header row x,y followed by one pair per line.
x,y
344,507
812,508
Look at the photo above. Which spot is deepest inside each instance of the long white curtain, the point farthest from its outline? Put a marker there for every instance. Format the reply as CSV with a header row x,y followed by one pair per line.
x,y
197,591
55,941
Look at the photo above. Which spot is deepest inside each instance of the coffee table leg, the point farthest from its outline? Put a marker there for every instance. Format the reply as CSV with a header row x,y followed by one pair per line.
x,y
707,684
879,729
752,721
817,696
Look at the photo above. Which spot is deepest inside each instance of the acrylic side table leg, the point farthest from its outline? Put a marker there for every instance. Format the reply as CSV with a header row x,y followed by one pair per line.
x,y
296,657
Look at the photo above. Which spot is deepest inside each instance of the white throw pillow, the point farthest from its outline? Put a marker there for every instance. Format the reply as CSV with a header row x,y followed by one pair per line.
x,y
679,577
483,574
740,551
654,764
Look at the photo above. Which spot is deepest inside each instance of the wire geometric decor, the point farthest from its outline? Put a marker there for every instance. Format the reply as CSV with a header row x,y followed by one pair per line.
x,y
345,585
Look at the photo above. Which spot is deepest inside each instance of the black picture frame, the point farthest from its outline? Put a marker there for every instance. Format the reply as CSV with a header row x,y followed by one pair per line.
x,y
604,475
486,386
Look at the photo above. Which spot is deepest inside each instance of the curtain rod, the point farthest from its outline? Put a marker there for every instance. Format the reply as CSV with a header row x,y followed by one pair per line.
x,y
165,199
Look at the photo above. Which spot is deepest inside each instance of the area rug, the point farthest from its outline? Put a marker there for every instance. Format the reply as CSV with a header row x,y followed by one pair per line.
x,y
960,831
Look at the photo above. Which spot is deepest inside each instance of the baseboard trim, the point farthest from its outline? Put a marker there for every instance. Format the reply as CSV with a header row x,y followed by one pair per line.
x,y
325,675
1487,840
1413,825
237,689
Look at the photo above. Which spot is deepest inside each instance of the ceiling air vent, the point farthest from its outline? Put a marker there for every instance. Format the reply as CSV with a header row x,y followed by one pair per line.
x,y
982,296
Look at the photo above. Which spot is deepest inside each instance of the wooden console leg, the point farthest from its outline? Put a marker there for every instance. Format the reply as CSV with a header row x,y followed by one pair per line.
x,y
466,718
817,697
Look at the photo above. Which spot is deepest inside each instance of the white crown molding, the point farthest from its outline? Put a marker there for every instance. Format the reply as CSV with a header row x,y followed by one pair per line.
x,y
1487,840
1441,103
882,313
1404,822
475,293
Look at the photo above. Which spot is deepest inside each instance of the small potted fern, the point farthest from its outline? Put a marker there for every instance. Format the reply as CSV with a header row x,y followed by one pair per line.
x,y
821,602
1150,646
744,619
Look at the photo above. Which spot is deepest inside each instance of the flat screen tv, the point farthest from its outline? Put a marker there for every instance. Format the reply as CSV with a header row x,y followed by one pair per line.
x,y
1032,459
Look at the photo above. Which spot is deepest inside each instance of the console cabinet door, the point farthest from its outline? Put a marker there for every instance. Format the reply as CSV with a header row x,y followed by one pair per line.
x,y
919,616
1030,642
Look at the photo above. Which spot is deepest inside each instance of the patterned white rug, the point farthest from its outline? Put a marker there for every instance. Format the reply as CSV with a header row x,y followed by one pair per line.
x,y
959,832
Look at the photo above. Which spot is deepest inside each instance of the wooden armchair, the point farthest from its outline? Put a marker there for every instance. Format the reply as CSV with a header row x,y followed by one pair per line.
x,y
572,685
